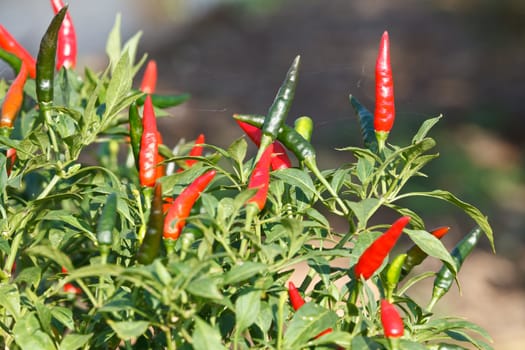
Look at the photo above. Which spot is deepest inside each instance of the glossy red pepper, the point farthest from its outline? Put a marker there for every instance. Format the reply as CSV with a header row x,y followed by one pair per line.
x,y
180,209
9,44
196,150
11,158
260,180
375,254
160,168
149,146
391,321
385,108
149,79
280,159
13,99
295,298
67,39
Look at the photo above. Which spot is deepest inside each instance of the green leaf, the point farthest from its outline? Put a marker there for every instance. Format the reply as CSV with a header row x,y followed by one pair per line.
x,y
64,316
118,88
205,287
425,128
247,308
129,329
300,179
364,210
52,254
365,169
246,270
237,150
432,247
44,316
29,275
113,45
469,209
131,47
206,337
29,336
10,299
310,320
264,318
73,341
415,220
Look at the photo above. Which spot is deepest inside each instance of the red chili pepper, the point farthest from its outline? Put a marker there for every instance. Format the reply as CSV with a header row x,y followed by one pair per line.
x,y
67,39
196,151
385,109
391,321
260,180
14,98
149,79
280,159
180,209
11,157
373,256
9,43
295,298
149,146
70,287
160,168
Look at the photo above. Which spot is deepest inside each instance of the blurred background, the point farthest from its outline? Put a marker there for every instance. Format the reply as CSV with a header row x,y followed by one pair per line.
x,y
464,59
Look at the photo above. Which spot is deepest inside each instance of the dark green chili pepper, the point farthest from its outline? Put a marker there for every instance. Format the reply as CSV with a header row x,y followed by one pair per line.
x,y
366,121
392,276
164,101
45,64
279,109
135,131
106,223
445,276
150,246
12,60
304,126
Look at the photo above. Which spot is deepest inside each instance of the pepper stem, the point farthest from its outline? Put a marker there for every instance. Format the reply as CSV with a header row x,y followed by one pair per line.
x,y
381,136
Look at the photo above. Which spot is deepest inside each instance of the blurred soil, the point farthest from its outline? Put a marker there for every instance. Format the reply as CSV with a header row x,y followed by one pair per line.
x,y
458,58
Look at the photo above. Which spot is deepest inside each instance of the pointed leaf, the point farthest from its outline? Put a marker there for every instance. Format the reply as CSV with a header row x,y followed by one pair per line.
x,y
432,247
425,128
206,337
247,307
129,329
310,320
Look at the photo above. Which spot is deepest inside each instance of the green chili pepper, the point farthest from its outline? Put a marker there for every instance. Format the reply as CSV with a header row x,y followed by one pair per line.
x,y
304,126
445,276
392,276
45,64
149,249
11,59
366,121
135,131
164,101
279,109
106,223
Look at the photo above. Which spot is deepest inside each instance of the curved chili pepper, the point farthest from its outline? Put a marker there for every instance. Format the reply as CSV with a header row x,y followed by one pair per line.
x,y
415,255
11,59
13,99
385,108
149,248
196,151
165,101
260,180
393,273
149,79
295,298
9,43
391,320
373,256
304,126
279,109
445,277
366,122
45,64
106,223
67,39
135,131
149,146
280,159
180,209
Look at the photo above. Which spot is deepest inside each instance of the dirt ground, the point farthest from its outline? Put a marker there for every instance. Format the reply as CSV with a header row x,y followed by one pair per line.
x,y
448,59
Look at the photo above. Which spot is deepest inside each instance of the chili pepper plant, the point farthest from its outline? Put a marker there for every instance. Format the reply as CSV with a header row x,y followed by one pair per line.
x,y
162,243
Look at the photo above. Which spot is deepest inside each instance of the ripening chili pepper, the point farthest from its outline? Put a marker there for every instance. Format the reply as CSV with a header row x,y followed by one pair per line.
x,y
11,59
279,109
445,277
11,158
295,297
391,320
150,246
280,159
304,126
149,146
385,106
393,272
181,207
70,287
165,101
196,151
375,254
67,39
260,180
416,255
9,44
135,131
105,224
45,64
13,99
149,79
366,122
